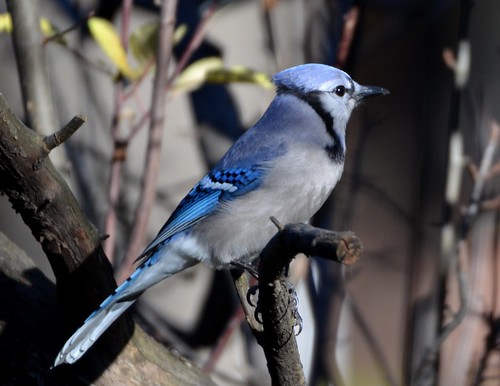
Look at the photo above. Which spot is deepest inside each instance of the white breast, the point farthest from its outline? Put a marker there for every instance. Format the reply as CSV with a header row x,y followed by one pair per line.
x,y
295,188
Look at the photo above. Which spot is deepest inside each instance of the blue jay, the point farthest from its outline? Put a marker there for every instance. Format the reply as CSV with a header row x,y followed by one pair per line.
x,y
285,166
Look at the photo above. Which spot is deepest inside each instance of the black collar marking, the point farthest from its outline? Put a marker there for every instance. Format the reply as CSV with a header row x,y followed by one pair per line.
x,y
335,151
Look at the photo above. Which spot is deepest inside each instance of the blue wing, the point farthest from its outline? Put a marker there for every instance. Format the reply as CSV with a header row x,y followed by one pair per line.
x,y
203,199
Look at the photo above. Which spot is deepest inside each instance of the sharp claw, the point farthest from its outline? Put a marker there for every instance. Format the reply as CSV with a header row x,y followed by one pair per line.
x,y
252,291
294,303
298,322
258,315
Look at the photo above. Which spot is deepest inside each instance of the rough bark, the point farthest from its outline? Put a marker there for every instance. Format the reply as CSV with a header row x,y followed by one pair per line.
x,y
277,300
35,324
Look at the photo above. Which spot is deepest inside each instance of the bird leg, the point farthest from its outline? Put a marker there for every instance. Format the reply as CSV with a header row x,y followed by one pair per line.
x,y
247,267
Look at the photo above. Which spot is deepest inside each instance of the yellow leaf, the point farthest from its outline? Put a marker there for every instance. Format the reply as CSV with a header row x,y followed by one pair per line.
x,y
46,26
211,70
195,74
5,23
179,33
143,41
105,35
239,74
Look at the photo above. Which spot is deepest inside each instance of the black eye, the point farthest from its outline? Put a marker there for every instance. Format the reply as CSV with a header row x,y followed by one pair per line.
x,y
340,91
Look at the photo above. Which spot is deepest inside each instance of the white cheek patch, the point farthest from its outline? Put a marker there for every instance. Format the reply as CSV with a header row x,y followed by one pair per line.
x,y
338,107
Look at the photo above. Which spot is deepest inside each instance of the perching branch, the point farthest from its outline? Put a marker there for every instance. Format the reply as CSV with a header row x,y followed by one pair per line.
x,y
276,303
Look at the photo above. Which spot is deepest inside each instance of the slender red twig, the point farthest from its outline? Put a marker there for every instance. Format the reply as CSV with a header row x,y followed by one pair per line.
x,y
236,319
148,192
120,148
71,28
240,314
125,27
148,188
194,43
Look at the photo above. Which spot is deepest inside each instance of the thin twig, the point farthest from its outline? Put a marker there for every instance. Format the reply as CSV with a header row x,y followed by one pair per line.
x,y
61,136
73,27
148,189
120,147
223,340
114,184
373,344
245,311
32,66
482,175
195,42
145,117
458,260
124,31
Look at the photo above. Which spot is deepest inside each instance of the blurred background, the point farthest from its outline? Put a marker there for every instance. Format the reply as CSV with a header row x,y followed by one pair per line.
x,y
413,189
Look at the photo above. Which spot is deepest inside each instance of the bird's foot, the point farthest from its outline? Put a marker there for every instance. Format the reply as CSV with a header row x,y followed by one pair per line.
x,y
294,303
253,301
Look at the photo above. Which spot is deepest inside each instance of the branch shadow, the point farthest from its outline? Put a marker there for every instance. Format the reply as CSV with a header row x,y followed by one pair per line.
x,y
34,325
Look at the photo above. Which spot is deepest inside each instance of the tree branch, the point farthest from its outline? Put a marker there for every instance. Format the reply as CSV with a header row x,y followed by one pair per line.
x,y
120,147
61,136
459,256
148,190
84,276
30,57
276,302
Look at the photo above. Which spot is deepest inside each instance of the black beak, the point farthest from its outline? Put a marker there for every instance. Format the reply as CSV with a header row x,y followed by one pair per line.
x,y
365,92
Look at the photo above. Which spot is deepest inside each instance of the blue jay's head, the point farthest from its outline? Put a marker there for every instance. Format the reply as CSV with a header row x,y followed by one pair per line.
x,y
330,91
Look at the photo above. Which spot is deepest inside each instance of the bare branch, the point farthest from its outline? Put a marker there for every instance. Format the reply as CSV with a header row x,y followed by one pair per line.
x,y
60,35
365,327
30,57
148,189
120,147
275,299
194,43
245,311
457,261
61,136
482,175
198,36
84,277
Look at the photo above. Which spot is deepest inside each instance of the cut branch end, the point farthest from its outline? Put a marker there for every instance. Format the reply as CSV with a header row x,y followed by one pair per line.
x,y
61,136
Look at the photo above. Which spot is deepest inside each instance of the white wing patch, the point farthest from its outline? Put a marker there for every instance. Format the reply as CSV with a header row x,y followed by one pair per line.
x,y
207,183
